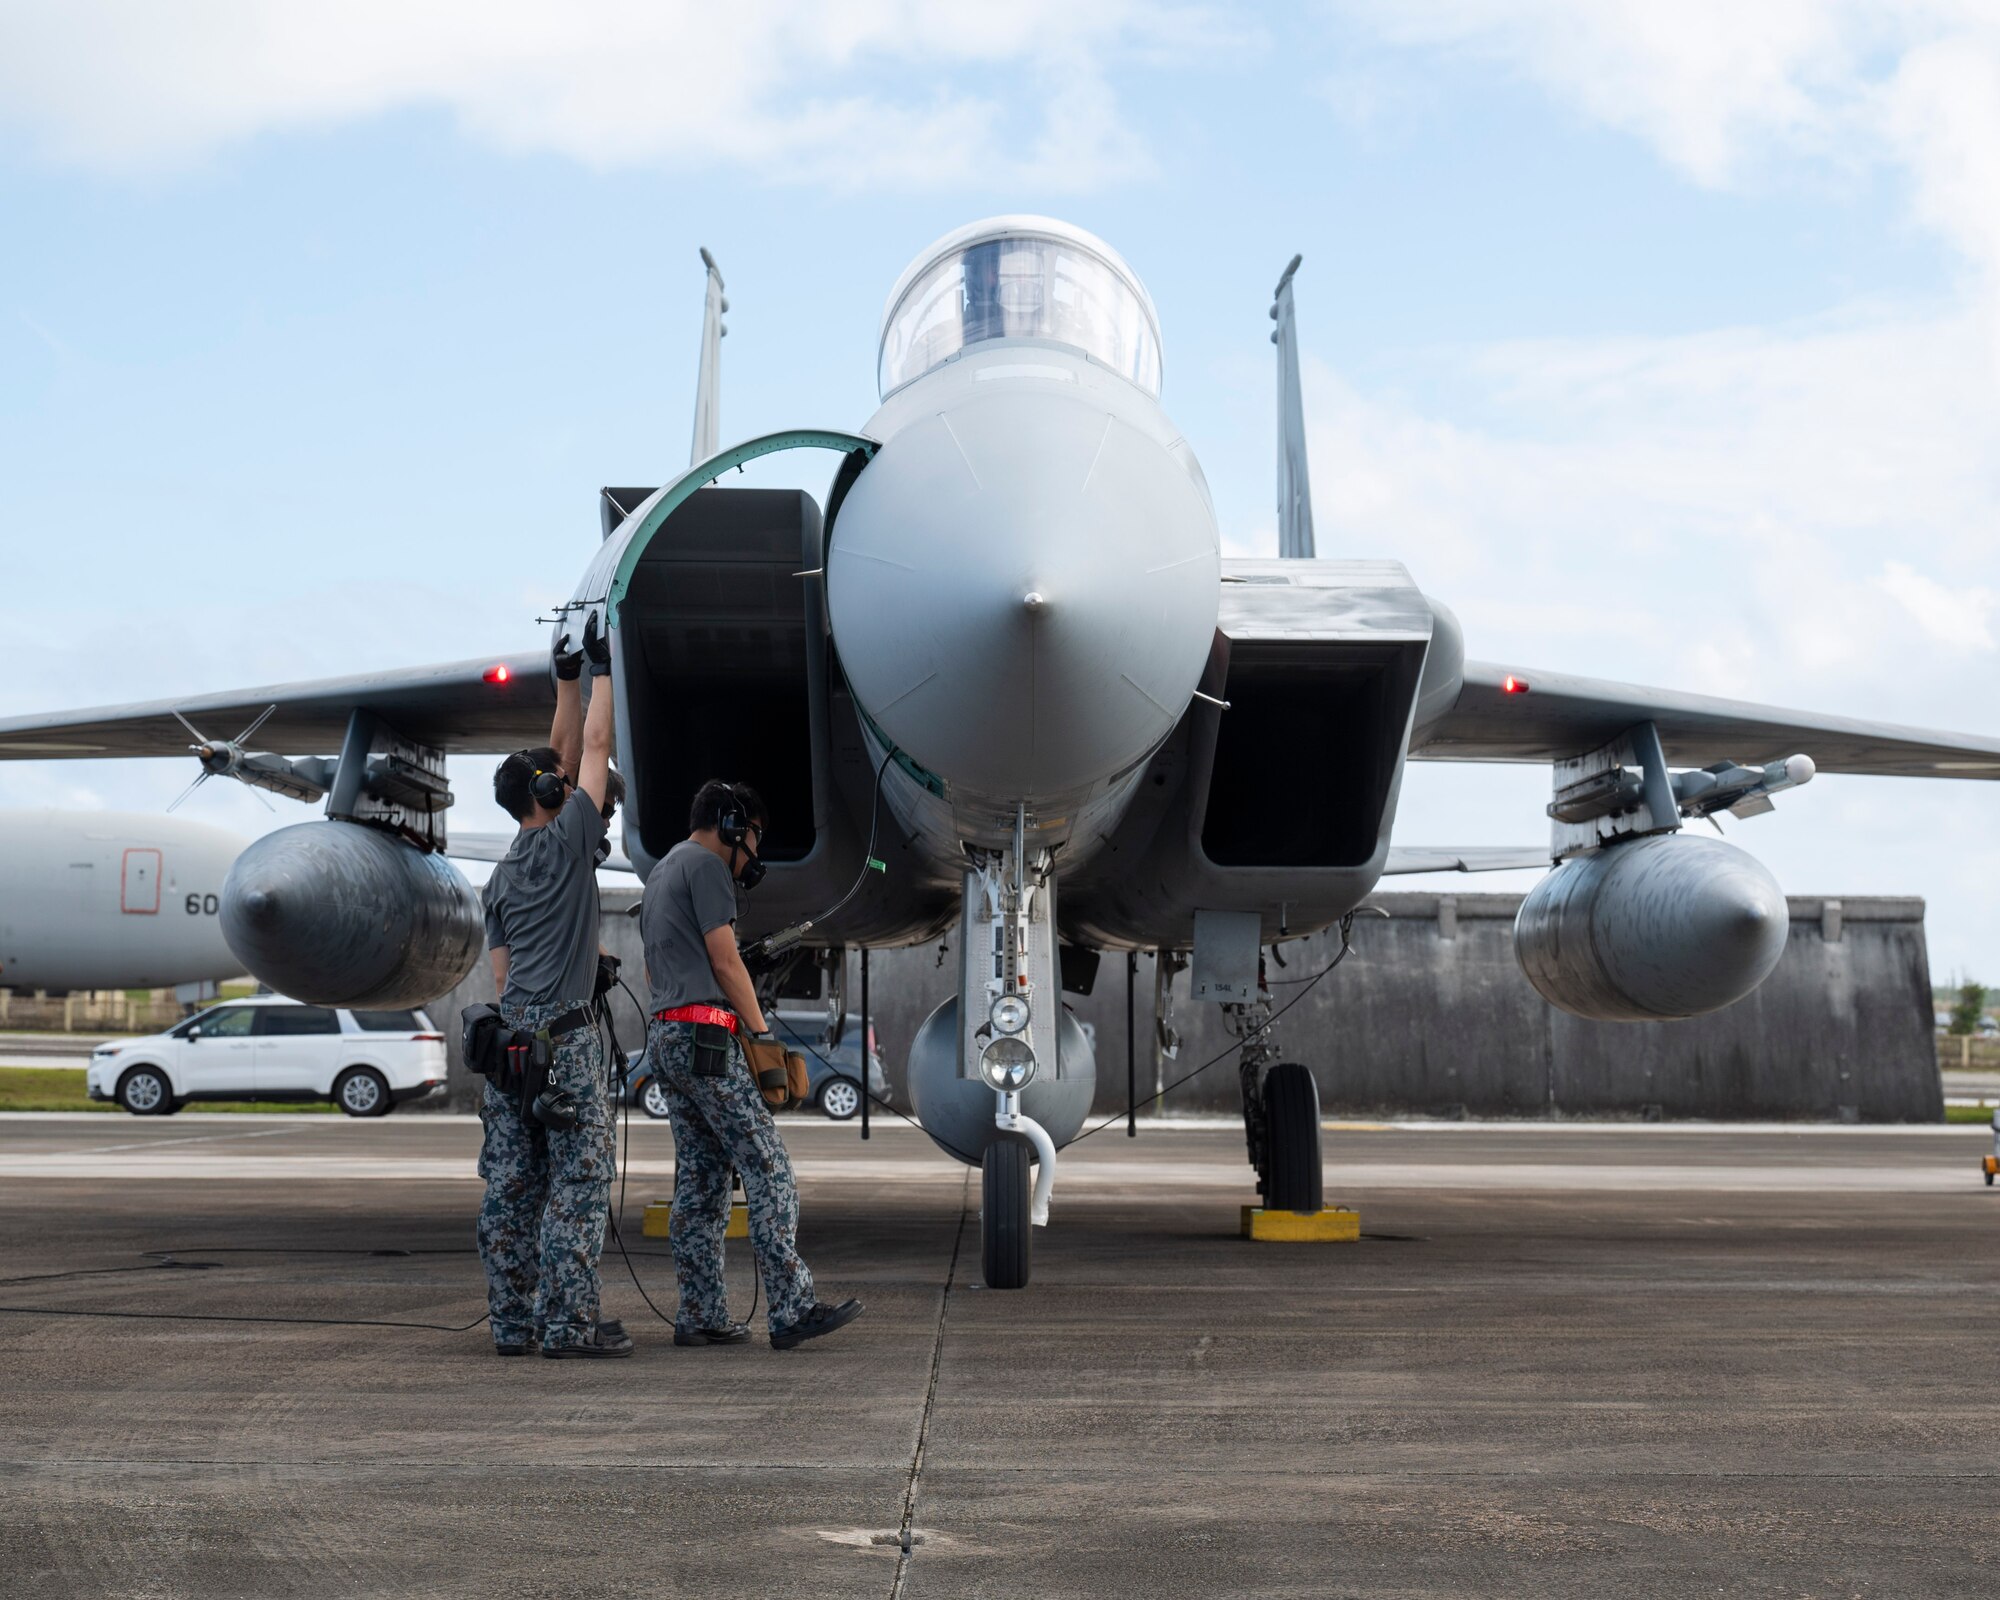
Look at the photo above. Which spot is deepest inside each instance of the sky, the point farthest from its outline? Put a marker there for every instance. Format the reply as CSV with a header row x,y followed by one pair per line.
x,y
1661,342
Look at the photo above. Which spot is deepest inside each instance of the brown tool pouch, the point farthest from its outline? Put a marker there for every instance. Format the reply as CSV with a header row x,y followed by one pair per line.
x,y
780,1073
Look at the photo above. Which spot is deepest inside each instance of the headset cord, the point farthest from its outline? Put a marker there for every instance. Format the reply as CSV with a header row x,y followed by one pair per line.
x,y
874,1098
867,855
1346,948
169,1260
617,1234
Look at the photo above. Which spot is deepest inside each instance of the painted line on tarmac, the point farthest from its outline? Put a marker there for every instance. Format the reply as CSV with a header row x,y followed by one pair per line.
x,y
171,1141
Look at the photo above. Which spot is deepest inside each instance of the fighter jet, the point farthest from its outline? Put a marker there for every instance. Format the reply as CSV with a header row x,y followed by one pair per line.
x,y
1000,686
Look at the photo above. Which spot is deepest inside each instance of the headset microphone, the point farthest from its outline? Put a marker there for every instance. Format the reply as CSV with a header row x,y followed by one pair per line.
x,y
733,829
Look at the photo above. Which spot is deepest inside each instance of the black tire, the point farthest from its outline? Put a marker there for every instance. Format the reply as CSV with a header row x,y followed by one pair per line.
x,y
839,1099
145,1092
1005,1193
653,1100
362,1092
1293,1179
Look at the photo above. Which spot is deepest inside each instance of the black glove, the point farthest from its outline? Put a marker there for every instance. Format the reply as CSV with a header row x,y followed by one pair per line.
x,y
596,648
607,975
568,660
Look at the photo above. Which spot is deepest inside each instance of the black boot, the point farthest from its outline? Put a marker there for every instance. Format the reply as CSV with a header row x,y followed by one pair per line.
x,y
602,1343
728,1333
823,1318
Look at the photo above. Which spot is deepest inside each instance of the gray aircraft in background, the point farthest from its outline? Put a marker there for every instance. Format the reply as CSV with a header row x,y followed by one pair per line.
x,y
113,900
1001,685
131,899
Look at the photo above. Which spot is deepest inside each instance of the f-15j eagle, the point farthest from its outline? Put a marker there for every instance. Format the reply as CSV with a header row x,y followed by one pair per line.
x,y
1007,660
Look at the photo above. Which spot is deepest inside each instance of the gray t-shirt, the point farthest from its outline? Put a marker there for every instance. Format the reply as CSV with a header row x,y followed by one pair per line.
x,y
541,903
688,896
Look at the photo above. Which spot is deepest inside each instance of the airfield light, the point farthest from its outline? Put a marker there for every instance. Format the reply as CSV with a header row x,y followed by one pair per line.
x,y
500,672
1008,1064
1513,685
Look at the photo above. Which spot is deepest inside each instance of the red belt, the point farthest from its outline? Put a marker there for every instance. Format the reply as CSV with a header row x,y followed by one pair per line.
x,y
715,1016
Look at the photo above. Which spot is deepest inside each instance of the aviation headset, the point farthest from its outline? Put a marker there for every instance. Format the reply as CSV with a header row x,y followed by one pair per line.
x,y
546,788
733,829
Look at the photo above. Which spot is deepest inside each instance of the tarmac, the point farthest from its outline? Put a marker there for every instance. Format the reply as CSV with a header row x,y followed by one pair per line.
x,y
1564,1359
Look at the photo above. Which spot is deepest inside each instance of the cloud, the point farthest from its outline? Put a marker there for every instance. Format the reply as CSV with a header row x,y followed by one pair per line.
x,y
836,92
1762,512
1728,93
1957,618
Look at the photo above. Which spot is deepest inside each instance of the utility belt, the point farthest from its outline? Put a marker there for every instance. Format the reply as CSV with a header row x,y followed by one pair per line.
x,y
780,1074
516,1061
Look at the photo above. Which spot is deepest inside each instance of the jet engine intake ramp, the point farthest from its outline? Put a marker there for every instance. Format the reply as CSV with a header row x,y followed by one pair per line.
x,y
1282,800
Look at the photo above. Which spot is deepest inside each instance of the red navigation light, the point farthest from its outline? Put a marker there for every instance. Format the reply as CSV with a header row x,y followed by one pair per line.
x,y
1511,685
500,672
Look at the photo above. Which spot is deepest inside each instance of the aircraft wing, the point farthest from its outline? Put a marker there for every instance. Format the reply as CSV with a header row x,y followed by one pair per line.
x,y
1469,858
493,703
1556,716
492,846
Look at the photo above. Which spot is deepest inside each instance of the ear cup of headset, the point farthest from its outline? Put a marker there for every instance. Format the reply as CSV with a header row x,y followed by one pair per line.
x,y
546,790
733,828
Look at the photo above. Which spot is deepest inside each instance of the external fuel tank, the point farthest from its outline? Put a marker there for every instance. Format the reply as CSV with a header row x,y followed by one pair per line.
x,y
1653,929
335,913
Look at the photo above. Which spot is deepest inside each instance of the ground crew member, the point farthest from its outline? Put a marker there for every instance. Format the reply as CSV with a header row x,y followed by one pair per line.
x,y
548,1171
702,1002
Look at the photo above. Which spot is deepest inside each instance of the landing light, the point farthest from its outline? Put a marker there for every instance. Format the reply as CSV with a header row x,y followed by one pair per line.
x,y
1513,685
500,672
1009,1013
1008,1064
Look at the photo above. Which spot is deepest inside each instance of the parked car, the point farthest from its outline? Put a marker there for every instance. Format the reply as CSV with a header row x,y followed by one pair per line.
x,y
271,1048
834,1075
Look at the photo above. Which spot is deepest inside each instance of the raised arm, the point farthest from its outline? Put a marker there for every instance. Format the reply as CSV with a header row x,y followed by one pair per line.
x,y
566,732
599,731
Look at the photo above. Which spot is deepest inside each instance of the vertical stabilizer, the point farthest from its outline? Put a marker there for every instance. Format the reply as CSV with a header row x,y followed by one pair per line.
x,y
708,380
1295,512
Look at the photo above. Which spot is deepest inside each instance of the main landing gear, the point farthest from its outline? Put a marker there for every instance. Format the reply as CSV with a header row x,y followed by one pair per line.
x,y
1280,1111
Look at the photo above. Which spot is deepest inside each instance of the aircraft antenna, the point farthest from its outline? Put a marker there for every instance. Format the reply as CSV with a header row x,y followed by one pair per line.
x,y
708,377
1295,515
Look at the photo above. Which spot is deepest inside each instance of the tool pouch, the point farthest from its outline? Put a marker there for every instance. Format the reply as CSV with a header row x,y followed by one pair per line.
x,y
711,1050
482,1039
780,1074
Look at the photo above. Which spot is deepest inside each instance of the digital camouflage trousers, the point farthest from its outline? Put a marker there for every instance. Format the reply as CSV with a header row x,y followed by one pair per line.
x,y
548,1195
721,1125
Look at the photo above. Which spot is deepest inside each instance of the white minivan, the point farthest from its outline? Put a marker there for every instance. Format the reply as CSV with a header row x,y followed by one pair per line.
x,y
271,1048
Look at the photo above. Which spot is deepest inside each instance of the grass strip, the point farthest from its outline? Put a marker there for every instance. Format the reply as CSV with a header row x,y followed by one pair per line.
x,y
61,1089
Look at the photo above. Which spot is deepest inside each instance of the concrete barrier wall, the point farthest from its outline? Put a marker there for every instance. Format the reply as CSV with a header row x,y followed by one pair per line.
x,y
1430,1014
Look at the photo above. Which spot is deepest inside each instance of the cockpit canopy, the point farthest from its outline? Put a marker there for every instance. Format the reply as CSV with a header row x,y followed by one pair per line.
x,y
1019,278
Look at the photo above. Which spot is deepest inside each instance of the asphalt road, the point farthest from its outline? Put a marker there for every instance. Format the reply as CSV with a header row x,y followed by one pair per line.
x,y
1565,1361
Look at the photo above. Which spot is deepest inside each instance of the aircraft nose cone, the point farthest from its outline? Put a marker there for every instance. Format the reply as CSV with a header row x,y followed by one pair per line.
x,y
1023,590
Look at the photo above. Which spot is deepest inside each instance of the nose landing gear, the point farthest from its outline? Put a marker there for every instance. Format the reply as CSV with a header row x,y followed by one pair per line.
x,y
1005,1248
